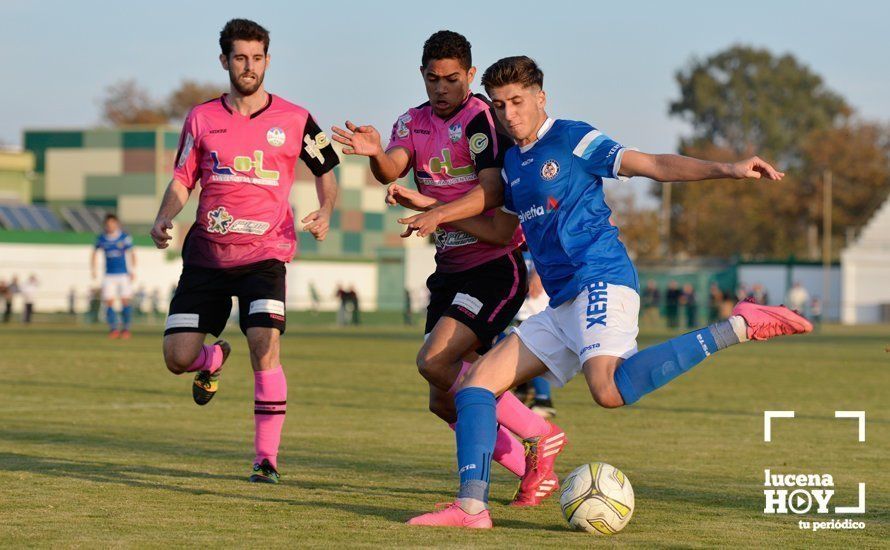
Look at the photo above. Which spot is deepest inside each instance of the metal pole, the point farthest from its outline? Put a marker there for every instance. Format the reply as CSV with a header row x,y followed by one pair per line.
x,y
826,241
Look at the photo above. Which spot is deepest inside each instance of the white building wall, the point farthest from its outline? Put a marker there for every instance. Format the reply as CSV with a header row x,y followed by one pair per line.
x,y
63,268
866,271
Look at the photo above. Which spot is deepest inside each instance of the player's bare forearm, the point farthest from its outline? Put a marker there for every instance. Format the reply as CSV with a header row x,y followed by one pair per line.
x,y
497,230
174,200
680,168
327,191
384,168
471,204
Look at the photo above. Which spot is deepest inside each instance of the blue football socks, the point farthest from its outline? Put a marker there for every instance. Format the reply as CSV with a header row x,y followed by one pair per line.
x,y
542,388
111,317
654,367
476,431
127,316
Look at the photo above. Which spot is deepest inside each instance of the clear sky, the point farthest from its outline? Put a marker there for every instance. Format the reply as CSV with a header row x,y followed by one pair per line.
x,y
609,63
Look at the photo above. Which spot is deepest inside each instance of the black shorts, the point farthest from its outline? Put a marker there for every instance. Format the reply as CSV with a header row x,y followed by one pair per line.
x,y
203,298
485,298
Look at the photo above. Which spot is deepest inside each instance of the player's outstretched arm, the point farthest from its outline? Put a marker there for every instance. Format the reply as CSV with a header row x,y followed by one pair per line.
x,y
387,166
485,196
174,199
680,168
496,230
319,222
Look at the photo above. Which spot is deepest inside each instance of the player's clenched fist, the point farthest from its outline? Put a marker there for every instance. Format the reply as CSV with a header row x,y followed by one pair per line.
x,y
159,233
409,198
317,223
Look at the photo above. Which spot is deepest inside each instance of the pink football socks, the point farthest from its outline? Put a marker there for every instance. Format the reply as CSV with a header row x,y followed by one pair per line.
x,y
270,406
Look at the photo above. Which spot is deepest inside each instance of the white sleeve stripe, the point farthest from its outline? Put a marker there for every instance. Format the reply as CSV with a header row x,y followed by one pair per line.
x,y
617,166
585,141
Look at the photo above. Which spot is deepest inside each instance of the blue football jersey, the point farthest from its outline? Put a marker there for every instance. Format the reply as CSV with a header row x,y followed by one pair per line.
x,y
555,186
115,247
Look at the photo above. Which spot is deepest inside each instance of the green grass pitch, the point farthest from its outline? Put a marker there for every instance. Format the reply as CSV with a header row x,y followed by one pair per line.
x,y
101,446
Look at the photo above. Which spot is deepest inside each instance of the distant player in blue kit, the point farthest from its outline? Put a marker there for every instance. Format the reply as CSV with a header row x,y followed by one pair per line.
x,y
117,282
552,181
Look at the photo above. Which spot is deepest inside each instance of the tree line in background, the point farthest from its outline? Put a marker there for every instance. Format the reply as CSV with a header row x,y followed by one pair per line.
x,y
745,101
739,102
127,102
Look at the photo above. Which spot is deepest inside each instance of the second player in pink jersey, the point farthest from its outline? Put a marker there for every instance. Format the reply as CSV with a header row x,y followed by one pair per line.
x,y
452,143
447,156
245,165
241,148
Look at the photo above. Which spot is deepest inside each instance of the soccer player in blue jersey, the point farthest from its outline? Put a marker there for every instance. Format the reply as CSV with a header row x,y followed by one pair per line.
x,y
117,282
553,184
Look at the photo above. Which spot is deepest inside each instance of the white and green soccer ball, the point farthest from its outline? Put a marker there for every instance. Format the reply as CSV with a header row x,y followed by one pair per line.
x,y
597,498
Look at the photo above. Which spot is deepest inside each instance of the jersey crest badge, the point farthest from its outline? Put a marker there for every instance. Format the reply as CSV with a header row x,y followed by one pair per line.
x,y
549,170
455,131
276,137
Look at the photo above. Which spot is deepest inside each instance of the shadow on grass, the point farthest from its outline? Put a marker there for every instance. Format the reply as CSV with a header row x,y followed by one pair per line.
x,y
131,476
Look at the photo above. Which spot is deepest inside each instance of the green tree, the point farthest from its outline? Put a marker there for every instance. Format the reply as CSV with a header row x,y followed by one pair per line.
x,y
745,101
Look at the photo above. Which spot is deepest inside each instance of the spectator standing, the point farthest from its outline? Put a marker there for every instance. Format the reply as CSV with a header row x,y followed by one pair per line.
x,y
690,305
29,293
672,304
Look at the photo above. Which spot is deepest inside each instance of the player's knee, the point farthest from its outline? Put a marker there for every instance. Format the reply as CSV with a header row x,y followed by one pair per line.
x,y
607,396
177,360
430,366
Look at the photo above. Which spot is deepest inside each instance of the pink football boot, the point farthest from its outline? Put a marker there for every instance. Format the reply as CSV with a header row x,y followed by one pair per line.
x,y
765,322
539,481
452,515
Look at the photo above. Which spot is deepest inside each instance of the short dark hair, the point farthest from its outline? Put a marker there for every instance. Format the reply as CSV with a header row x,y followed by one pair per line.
x,y
242,29
519,69
447,45
109,217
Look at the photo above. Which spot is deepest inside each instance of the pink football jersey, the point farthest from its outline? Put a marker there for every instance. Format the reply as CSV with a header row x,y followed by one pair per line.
x,y
246,168
447,156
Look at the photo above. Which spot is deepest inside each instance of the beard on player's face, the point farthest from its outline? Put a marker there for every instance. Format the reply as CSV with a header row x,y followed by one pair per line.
x,y
245,82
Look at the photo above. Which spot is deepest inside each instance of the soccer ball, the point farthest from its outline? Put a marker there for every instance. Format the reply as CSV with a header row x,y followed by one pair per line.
x,y
597,498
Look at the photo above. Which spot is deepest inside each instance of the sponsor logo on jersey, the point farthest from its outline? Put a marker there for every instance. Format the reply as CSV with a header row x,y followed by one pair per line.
x,y
531,213
450,239
402,125
444,166
527,161
244,165
549,170
455,131
218,131
478,143
314,146
597,304
220,221
537,210
276,137
421,131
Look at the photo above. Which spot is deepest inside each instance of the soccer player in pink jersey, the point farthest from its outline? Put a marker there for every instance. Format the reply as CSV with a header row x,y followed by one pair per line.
x,y
453,142
242,147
